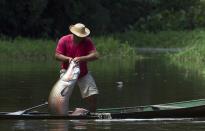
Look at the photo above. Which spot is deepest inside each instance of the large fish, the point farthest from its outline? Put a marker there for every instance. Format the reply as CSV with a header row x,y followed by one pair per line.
x,y
59,96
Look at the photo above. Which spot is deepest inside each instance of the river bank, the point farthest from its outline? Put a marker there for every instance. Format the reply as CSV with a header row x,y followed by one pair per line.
x,y
21,49
117,46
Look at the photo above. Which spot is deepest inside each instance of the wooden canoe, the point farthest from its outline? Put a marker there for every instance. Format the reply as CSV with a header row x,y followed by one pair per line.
x,y
184,109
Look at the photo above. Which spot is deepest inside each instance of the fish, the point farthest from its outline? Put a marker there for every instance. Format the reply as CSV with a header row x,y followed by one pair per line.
x,y
58,101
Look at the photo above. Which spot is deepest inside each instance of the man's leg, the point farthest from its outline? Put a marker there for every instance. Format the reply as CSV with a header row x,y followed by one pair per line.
x,y
89,91
92,102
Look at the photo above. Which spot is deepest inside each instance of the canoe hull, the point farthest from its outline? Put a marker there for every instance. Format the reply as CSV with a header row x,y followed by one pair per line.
x,y
184,109
195,112
174,113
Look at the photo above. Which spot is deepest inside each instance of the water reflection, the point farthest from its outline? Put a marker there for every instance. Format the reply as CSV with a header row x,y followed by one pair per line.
x,y
117,124
81,124
128,82
54,125
121,83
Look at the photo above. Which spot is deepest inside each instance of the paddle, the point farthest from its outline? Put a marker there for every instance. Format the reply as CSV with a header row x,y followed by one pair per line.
x,y
28,109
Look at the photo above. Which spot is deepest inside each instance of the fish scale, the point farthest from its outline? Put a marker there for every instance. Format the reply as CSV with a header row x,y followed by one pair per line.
x,y
62,90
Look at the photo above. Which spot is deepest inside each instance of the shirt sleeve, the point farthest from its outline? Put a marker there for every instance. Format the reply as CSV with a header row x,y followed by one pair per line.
x,y
90,46
61,46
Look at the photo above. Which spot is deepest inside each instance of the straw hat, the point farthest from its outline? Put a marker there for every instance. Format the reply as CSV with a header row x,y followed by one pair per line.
x,y
79,30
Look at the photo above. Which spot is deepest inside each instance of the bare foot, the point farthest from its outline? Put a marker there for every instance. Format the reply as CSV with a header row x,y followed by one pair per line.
x,y
79,112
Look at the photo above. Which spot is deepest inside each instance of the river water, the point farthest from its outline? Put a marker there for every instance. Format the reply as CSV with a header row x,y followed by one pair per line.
x,y
121,82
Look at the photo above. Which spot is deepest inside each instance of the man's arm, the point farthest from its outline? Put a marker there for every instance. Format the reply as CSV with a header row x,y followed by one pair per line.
x,y
62,58
93,55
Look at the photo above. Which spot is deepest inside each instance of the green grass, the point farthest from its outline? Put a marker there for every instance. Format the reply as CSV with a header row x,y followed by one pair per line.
x,y
194,49
25,49
193,55
111,47
164,39
114,46
192,58
191,41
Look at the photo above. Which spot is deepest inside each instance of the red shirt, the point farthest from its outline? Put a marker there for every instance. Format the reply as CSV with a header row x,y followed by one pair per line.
x,y
67,47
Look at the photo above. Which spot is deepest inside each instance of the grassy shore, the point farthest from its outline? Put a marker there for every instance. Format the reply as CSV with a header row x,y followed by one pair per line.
x,y
26,49
163,39
193,55
192,42
43,49
117,45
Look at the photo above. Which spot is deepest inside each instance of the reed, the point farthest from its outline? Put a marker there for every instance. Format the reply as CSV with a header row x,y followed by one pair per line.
x,y
26,49
193,55
163,39
191,41
111,47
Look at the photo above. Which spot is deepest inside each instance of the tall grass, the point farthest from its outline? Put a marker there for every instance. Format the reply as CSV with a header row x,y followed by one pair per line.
x,y
193,55
194,50
111,47
164,39
191,41
25,49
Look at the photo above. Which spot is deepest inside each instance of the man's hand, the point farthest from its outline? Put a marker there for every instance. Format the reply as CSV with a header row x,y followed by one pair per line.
x,y
77,59
69,59
90,57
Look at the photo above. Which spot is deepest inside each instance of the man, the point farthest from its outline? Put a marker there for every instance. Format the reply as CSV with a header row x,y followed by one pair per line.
x,y
78,47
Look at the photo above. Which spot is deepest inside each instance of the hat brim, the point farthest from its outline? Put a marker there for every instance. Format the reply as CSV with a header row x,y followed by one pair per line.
x,y
87,32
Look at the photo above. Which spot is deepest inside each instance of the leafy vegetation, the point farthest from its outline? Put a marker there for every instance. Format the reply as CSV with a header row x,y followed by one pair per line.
x,y
22,49
118,45
111,47
51,18
194,52
163,39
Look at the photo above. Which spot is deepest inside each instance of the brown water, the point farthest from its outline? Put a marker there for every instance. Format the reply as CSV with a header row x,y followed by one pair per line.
x,y
121,83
